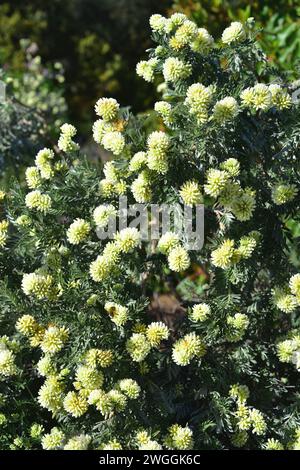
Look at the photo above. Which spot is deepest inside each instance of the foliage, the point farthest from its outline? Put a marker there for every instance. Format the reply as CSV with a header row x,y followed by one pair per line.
x,y
80,37
21,133
33,107
39,87
109,364
279,20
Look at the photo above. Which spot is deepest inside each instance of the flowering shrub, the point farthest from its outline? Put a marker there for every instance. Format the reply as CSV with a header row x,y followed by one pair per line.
x,y
84,361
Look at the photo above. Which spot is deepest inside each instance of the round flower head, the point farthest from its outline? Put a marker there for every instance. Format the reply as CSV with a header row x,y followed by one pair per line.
x,y
289,350
178,259
175,69
190,193
75,404
65,142
150,445
88,378
164,109
100,269
167,242
7,363
223,257
37,338
45,366
246,246
130,388
295,285
202,42
78,442
186,348
179,437
118,313
141,188
33,177
157,23
114,142
142,437
225,110
108,403
100,128
138,347
36,431
111,253
243,417
216,182
127,239
120,187
43,165
262,98
146,69
3,419
232,166
239,321
273,444
78,231
138,160
286,303
54,440
175,20
38,285
37,200
3,232
68,130
280,97
259,425
103,213
158,145
95,396
101,357
200,312
23,221
105,357
112,445
157,161
198,97
43,158
157,332
4,225
244,205
54,339
117,400
285,350
144,441
239,392
234,33
175,44
186,33
50,395
110,172
247,97
27,325
159,142
283,193
238,324
107,188
107,108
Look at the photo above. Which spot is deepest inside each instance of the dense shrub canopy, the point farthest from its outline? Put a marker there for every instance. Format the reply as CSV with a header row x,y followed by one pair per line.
x,y
90,357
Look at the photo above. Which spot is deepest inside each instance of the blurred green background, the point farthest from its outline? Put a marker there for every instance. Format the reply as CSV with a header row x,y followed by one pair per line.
x,y
57,58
